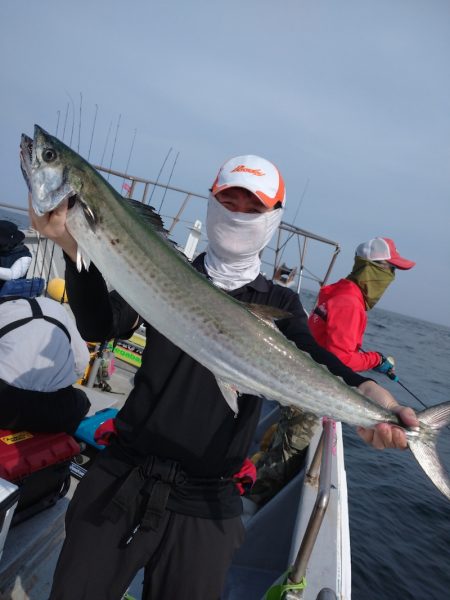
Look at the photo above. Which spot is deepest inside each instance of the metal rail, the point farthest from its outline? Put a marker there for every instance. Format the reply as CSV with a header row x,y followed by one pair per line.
x,y
320,469
283,240
181,200
304,236
147,182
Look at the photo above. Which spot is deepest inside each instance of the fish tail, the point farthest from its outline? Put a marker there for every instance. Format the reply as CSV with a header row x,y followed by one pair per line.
x,y
424,446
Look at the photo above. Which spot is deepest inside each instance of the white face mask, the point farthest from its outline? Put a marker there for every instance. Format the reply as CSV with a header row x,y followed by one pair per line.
x,y
235,241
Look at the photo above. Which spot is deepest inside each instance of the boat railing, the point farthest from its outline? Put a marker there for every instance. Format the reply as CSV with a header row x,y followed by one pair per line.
x,y
176,205
184,211
290,234
319,471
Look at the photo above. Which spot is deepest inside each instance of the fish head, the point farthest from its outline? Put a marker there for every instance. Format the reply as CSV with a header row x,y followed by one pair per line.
x,y
50,169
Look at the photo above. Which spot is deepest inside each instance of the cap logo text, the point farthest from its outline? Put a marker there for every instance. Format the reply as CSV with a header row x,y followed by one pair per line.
x,y
244,169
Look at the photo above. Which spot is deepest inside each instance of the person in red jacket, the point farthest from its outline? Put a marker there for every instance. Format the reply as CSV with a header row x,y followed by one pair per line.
x,y
337,323
339,319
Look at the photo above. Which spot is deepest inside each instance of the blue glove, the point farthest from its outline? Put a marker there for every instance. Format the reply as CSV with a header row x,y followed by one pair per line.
x,y
386,366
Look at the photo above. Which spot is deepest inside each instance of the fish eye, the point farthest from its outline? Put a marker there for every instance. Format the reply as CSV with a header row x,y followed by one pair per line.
x,y
48,155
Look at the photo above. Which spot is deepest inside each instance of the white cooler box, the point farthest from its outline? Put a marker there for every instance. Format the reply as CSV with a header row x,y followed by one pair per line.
x,y
9,496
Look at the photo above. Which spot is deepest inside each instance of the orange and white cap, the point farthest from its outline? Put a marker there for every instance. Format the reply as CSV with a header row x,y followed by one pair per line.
x,y
255,174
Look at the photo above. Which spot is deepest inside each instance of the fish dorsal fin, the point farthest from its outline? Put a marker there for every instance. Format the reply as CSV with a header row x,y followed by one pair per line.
x,y
269,314
148,213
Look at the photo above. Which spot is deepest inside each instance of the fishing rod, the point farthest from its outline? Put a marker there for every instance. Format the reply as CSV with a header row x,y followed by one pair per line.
x,y
159,174
128,161
114,143
293,222
301,201
393,377
168,182
65,121
79,123
106,143
57,122
73,119
92,132
391,374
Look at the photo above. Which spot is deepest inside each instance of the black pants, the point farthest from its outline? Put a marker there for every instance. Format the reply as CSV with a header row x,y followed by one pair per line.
x,y
185,558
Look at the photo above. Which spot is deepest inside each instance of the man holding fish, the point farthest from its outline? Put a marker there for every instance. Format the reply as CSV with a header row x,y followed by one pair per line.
x,y
163,495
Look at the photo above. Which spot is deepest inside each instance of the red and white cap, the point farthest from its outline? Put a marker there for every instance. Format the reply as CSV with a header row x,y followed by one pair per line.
x,y
383,249
255,174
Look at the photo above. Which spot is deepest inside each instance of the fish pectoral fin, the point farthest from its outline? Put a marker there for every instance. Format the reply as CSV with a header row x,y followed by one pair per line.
x,y
230,393
82,261
425,451
269,314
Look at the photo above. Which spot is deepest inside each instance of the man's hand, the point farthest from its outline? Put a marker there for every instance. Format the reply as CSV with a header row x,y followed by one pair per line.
x,y
385,435
52,225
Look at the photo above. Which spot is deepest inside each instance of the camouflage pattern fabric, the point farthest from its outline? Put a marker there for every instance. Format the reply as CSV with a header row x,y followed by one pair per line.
x,y
285,456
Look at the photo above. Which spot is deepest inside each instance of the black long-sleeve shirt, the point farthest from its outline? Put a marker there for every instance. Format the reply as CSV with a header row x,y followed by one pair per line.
x,y
176,409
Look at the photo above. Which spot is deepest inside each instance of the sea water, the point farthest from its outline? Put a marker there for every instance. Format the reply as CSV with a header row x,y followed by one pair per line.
x,y
19,217
399,522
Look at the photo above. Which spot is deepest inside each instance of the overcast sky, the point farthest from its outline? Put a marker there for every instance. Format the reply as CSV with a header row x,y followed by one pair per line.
x,y
350,98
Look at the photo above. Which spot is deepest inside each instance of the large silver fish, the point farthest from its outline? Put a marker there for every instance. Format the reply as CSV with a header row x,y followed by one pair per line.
x,y
244,351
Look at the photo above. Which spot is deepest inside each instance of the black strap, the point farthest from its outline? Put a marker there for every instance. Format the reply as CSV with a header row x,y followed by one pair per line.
x,y
320,313
163,476
36,312
154,480
122,498
156,505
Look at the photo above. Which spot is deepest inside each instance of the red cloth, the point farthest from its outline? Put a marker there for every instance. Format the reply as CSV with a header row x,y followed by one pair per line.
x,y
342,329
245,477
104,431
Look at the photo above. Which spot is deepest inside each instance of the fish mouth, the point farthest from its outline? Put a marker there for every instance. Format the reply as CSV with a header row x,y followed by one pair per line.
x,y
26,158
72,200
26,148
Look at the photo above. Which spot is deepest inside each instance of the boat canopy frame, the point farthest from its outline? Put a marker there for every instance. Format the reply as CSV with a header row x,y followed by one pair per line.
x,y
289,237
